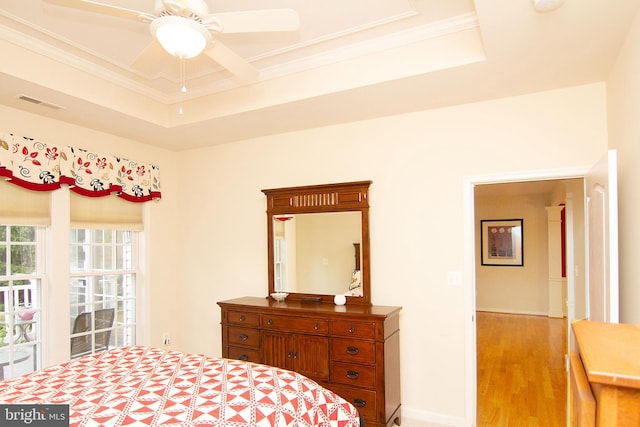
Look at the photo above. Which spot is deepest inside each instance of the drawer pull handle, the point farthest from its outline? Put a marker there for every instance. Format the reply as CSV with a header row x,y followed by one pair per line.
x,y
292,355
353,375
359,403
352,329
243,357
353,350
242,318
270,322
317,325
243,337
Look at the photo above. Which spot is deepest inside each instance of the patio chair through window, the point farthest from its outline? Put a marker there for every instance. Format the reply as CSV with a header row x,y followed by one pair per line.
x,y
81,345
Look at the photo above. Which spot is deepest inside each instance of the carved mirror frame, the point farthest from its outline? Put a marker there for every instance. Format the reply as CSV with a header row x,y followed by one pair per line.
x,y
341,197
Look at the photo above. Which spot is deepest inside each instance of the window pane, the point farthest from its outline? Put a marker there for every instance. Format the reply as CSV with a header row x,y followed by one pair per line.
x,y
78,235
124,258
3,233
102,236
124,237
78,258
108,262
22,294
127,285
23,234
3,260
104,288
3,295
23,259
78,291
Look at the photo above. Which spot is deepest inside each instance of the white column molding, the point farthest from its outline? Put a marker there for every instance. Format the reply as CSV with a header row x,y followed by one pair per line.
x,y
554,224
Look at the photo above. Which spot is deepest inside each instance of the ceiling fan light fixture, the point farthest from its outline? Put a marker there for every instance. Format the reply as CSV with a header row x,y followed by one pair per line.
x,y
181,37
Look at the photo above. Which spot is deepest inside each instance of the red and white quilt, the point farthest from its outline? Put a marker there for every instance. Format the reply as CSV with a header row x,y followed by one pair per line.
x,y
139,385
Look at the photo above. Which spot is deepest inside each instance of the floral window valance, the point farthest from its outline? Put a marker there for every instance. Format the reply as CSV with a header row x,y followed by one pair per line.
x,y
38,166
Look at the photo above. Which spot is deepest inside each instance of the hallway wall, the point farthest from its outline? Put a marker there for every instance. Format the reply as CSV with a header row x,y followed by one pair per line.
x,y
514,289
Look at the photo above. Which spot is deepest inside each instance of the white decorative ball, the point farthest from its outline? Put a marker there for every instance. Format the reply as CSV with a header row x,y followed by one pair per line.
x,y
340,300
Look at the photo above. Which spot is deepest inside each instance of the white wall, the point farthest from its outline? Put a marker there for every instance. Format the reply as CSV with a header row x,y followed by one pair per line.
x,y
623,96
417,163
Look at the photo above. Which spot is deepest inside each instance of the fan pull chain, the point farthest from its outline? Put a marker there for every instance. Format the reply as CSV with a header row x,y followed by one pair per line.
x,y
183,74
183,79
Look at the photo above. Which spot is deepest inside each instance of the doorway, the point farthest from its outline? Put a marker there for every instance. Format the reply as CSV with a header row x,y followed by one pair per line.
x,y
471,245
521,331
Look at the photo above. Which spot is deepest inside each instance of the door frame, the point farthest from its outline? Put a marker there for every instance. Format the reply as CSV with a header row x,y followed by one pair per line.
x,y
469,259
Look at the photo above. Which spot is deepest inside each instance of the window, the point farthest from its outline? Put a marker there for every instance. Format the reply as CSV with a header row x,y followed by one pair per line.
x,y
279,263
21,274
104,269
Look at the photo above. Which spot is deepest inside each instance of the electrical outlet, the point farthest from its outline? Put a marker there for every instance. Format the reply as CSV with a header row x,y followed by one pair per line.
x,y
166,340
454,278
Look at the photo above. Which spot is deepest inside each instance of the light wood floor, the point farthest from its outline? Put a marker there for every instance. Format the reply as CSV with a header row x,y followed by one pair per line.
x,y
521,375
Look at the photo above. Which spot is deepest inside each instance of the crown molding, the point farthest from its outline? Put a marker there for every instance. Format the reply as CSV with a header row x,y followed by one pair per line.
x,y
351,51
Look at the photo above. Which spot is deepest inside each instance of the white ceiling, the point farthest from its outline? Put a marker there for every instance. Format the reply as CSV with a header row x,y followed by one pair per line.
x,y
545,188
350,60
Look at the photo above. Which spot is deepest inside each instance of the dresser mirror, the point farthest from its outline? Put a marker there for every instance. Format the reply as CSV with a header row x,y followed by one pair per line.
x,y
318,242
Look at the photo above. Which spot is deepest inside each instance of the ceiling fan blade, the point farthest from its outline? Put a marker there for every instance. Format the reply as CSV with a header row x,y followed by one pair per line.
x,y
232,61
149,60
104,9
175,6
257,21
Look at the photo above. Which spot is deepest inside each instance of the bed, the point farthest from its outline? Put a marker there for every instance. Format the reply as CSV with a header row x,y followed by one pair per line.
x,y
141,385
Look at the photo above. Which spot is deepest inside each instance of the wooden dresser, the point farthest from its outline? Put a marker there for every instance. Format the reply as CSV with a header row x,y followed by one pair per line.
x,y
605,375
353,350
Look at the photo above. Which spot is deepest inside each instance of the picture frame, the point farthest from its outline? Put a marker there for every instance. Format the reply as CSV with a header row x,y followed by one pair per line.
x,y
501,242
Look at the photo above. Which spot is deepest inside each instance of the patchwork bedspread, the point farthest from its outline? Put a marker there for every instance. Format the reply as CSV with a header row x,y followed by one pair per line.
x,y
139,385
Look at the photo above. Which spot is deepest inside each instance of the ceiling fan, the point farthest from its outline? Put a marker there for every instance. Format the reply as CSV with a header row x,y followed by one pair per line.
x,y
185,28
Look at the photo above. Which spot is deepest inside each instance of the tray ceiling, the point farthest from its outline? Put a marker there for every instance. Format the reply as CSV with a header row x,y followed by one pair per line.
x,y
350,60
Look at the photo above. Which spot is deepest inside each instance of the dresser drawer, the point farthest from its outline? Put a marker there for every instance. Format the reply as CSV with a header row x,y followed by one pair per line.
x,y
349,350
348,328
352,374
243,318
244,336
363,400
295,324
243,353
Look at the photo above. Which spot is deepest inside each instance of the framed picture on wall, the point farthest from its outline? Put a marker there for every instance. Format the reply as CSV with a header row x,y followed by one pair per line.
x,y
501,242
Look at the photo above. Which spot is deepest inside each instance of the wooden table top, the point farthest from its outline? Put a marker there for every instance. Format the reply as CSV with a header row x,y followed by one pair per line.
x,y
610,352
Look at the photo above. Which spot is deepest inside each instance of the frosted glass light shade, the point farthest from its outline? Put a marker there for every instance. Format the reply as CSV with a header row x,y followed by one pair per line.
x,y
181,37
547,5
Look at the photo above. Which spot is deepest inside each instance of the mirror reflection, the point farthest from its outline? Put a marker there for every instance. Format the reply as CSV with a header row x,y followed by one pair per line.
x,y
318,253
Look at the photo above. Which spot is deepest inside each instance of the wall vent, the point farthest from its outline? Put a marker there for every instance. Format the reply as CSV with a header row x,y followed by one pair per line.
x,y
35,101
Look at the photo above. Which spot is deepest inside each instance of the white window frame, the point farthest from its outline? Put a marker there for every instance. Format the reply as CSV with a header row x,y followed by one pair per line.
x,y
124,330
30,339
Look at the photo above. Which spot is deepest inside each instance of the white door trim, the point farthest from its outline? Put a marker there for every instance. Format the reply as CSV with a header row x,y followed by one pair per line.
x,y
468,207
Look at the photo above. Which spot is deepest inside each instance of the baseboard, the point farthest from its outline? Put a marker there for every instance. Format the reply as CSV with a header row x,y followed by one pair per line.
x,y
524,312
418,418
